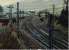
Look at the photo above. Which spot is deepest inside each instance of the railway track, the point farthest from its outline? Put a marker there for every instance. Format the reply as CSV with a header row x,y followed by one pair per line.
x,y
42,36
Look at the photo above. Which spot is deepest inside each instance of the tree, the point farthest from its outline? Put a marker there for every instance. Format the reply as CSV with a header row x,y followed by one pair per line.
x,y
1,11
1,8
63,19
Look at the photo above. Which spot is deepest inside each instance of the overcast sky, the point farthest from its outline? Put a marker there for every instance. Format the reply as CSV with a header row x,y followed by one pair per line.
x,y
34,4
6,2
41,4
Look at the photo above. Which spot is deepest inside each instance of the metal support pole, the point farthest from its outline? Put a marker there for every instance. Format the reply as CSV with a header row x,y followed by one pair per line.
x,y
10,13
66,3
50,32
51,28
18,17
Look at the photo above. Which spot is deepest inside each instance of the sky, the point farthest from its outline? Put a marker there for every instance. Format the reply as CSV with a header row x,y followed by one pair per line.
x,y
34,4
7,2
